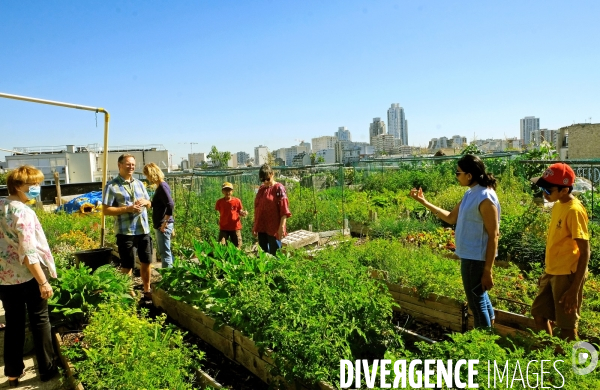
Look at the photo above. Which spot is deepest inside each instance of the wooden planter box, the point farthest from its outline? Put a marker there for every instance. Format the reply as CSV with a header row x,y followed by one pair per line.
x,y
437,309
203,378
229,341
449,312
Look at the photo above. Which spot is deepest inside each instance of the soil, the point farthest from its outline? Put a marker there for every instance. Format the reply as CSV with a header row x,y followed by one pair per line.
x,y
434,332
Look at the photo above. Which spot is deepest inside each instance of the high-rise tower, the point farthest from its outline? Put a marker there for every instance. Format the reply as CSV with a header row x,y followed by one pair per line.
x,y
397,123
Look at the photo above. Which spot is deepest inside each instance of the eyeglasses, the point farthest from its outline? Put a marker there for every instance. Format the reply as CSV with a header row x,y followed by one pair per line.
x,y
262,179
546,191
458,173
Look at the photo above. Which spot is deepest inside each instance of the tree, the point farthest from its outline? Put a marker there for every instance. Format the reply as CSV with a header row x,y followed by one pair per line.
x,y
320,160
471,149
271,159
219,159
313,158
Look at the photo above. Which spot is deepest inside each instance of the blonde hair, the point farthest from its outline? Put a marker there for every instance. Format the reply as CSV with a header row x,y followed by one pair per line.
x,y
153,173
25,174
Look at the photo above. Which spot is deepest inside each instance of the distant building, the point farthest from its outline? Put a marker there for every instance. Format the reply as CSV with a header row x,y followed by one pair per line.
x,y
579,141
84,164
459,141
406,150
325,142
497,145
261,155
376,128
328,155
347,152
196,159
397,123
343,134
541,135
233,161
301,159
242,158
291,152
438,143
456,142
528,124
384,144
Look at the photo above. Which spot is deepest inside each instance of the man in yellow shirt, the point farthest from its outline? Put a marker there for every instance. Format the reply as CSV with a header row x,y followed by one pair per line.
x,y
567,255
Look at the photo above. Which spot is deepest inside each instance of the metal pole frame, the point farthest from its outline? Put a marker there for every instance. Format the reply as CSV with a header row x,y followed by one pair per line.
x,y
78,107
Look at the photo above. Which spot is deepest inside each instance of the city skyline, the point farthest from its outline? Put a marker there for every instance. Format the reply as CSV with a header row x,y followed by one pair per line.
x,y
175,74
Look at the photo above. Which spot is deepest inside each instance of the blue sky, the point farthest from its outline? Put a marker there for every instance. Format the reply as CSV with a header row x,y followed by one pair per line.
x,y
237,74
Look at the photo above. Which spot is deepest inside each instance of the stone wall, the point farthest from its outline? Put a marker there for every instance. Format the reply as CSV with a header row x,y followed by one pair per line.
x,y
584,140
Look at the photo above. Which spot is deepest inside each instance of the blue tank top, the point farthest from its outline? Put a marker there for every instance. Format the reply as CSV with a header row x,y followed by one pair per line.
x,y
471,236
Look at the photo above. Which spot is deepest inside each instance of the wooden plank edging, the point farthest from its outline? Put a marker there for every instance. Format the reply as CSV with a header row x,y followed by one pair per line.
x,y
447,311
227,340
67,365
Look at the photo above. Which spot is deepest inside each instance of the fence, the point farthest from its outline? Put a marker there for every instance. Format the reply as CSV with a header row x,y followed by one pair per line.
x,y
319,195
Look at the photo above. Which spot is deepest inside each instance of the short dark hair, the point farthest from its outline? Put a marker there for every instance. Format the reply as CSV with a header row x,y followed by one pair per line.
x,y
124,156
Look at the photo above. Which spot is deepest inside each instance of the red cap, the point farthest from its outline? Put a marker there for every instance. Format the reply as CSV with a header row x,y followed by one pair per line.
x,y
559,174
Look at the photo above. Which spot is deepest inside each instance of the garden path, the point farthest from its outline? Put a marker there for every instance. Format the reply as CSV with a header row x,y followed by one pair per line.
x,y
31,380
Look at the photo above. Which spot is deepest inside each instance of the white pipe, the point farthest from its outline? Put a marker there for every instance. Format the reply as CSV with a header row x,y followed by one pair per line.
x,y
78,107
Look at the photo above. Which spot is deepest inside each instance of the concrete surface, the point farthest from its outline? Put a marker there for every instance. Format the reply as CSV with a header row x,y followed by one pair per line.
x,y
31,380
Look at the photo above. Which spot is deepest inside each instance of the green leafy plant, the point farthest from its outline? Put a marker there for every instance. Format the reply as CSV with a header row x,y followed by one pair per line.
x,y
123,350
309,312
77,292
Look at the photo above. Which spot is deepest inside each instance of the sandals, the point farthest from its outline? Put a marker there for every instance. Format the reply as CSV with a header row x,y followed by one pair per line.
x,y
147,295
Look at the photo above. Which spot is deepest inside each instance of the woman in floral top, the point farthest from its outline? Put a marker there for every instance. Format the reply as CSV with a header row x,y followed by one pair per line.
x,y
25,265
271,211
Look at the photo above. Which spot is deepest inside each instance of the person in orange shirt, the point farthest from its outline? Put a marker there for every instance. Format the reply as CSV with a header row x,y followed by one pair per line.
x,y
230,210
560,289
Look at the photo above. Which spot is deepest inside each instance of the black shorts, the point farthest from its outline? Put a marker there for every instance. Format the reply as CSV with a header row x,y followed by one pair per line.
x,y
143,244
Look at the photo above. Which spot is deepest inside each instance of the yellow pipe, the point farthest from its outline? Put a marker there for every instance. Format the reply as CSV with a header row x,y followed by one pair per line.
x,y
78,107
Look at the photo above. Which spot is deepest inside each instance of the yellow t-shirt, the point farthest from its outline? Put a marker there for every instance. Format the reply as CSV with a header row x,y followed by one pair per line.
x,y
569,222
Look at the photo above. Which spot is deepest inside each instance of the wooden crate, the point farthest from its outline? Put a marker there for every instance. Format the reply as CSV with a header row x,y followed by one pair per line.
x,y
300,238
229,341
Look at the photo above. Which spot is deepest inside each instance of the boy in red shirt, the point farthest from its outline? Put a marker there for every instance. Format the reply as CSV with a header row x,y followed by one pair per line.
x,y
230,209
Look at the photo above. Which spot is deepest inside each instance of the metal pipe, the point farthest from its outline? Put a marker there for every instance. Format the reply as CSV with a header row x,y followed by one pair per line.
x,y
78,107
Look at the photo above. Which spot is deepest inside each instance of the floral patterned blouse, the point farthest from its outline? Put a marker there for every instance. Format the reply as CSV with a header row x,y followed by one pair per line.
x,y
21,235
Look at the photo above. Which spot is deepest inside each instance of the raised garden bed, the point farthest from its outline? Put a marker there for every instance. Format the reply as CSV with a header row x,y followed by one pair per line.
x,y
203,378
449,312
232,343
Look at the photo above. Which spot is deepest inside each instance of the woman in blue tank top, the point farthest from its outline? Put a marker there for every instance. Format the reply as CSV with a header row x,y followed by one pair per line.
x,y
477,220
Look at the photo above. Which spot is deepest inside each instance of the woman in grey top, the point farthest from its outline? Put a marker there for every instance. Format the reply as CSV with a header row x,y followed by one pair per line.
x,y
477,220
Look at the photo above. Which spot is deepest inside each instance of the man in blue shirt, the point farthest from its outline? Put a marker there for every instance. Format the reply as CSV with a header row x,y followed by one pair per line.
x,y
126,199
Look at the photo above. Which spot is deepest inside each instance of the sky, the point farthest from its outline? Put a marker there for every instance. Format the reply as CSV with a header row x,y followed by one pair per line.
x,y
236,74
